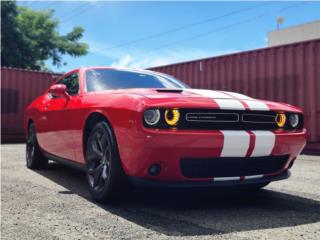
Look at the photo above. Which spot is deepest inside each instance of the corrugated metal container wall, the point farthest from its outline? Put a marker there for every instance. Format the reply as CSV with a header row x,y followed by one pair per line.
x,y
288,73
18,89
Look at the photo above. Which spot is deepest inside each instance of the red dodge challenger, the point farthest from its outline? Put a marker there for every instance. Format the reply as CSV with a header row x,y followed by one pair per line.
x,y
143,127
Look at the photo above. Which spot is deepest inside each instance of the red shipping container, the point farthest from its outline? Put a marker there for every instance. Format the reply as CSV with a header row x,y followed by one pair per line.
x,y
287,73
18,89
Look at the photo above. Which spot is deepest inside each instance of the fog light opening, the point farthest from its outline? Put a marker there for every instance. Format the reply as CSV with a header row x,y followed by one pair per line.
x,y
154,170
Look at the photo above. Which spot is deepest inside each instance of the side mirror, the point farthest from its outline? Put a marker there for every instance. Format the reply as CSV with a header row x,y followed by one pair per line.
x,y
59,90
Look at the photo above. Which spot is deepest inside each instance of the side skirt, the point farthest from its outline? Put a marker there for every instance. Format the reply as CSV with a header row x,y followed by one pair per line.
x,y
67,162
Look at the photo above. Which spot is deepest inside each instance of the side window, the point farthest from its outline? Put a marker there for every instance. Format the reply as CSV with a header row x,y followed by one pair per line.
x,y
72,83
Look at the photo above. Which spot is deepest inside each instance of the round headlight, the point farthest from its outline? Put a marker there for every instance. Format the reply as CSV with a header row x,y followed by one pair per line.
x,y
172,116
152,116
281,119
294,120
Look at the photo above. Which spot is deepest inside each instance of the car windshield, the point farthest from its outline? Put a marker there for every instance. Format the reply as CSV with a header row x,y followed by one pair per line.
x,y
104,79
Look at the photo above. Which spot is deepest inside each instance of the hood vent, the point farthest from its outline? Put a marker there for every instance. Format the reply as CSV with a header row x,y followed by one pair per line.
x,y
166,90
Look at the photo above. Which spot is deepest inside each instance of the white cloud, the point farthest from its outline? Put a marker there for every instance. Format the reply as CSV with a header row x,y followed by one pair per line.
x,y
137,58
142,62
265,40
123,62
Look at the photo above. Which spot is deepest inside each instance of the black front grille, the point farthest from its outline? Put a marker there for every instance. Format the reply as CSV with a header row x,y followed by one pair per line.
x,y
227,120
258,118
231,166
211,117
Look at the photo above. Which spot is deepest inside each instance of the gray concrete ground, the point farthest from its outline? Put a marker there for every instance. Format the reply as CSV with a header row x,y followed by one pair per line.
x,y
55,204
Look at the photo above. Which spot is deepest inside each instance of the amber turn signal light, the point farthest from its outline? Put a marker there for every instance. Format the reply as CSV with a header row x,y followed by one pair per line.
x,y
172,116
281,119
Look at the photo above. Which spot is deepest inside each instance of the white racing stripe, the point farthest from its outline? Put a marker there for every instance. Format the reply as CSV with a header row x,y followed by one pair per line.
x,y
264,143
231,100
235,143
220,179
209,93
226,179
229,104
253,177
256,105
239,96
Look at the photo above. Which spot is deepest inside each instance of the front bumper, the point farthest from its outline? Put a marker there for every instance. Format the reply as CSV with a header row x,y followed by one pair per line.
x,y
140,149
142,182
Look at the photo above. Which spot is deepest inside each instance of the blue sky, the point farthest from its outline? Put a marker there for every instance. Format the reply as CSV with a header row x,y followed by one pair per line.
x,y
231,27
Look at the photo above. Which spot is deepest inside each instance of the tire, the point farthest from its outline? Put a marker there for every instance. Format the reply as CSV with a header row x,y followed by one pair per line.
x,y
105,175
34,156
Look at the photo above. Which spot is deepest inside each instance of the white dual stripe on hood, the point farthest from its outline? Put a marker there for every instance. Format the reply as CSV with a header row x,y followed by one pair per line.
x,y
231,100
229,104
256,105
209,93
224,101
238,95
264,143
235,143
252,103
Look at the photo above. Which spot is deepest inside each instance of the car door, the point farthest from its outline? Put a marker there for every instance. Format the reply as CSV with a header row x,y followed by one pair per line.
x,y
59,113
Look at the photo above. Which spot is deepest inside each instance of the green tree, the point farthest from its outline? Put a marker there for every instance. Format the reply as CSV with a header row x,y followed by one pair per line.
x,y
29,38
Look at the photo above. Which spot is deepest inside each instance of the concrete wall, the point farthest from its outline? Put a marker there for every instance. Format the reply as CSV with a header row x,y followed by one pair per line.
x,y
298,33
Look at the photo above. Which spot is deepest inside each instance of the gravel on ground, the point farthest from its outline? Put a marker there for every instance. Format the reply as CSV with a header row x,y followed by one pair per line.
x,y
55,204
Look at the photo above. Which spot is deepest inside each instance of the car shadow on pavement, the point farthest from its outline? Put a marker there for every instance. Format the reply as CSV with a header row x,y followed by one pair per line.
x,y
195,211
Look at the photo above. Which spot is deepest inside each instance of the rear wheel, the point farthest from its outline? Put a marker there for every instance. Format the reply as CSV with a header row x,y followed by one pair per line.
x,y
34,157
104,172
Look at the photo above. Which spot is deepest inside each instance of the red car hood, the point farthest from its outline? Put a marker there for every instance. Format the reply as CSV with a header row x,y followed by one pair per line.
x,y
204,98
201,98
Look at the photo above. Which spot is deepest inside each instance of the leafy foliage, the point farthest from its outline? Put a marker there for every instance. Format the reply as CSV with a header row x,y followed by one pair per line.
x,y
29,38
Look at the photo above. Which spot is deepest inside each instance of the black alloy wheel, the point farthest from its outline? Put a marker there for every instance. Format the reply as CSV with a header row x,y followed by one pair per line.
x,y
104,172
99,156
34,156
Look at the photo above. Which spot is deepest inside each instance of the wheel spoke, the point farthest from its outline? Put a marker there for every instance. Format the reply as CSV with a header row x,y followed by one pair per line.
x,y
105,171
95,149
99,141
97,172
106,153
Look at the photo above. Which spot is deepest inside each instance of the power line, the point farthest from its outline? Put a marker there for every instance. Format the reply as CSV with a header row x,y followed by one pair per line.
x,y
228,26
70,14
78,13
50,5
187,26
30,3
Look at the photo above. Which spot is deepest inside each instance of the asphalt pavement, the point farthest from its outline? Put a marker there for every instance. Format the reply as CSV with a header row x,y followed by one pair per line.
x,y
55,204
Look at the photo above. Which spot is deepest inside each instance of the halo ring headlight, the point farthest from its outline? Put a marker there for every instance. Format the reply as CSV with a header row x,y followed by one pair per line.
x,y
281,119
294,120
151,116
172,116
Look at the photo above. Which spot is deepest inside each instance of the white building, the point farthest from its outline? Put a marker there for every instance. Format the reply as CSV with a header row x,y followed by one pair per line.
x,y
297,33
